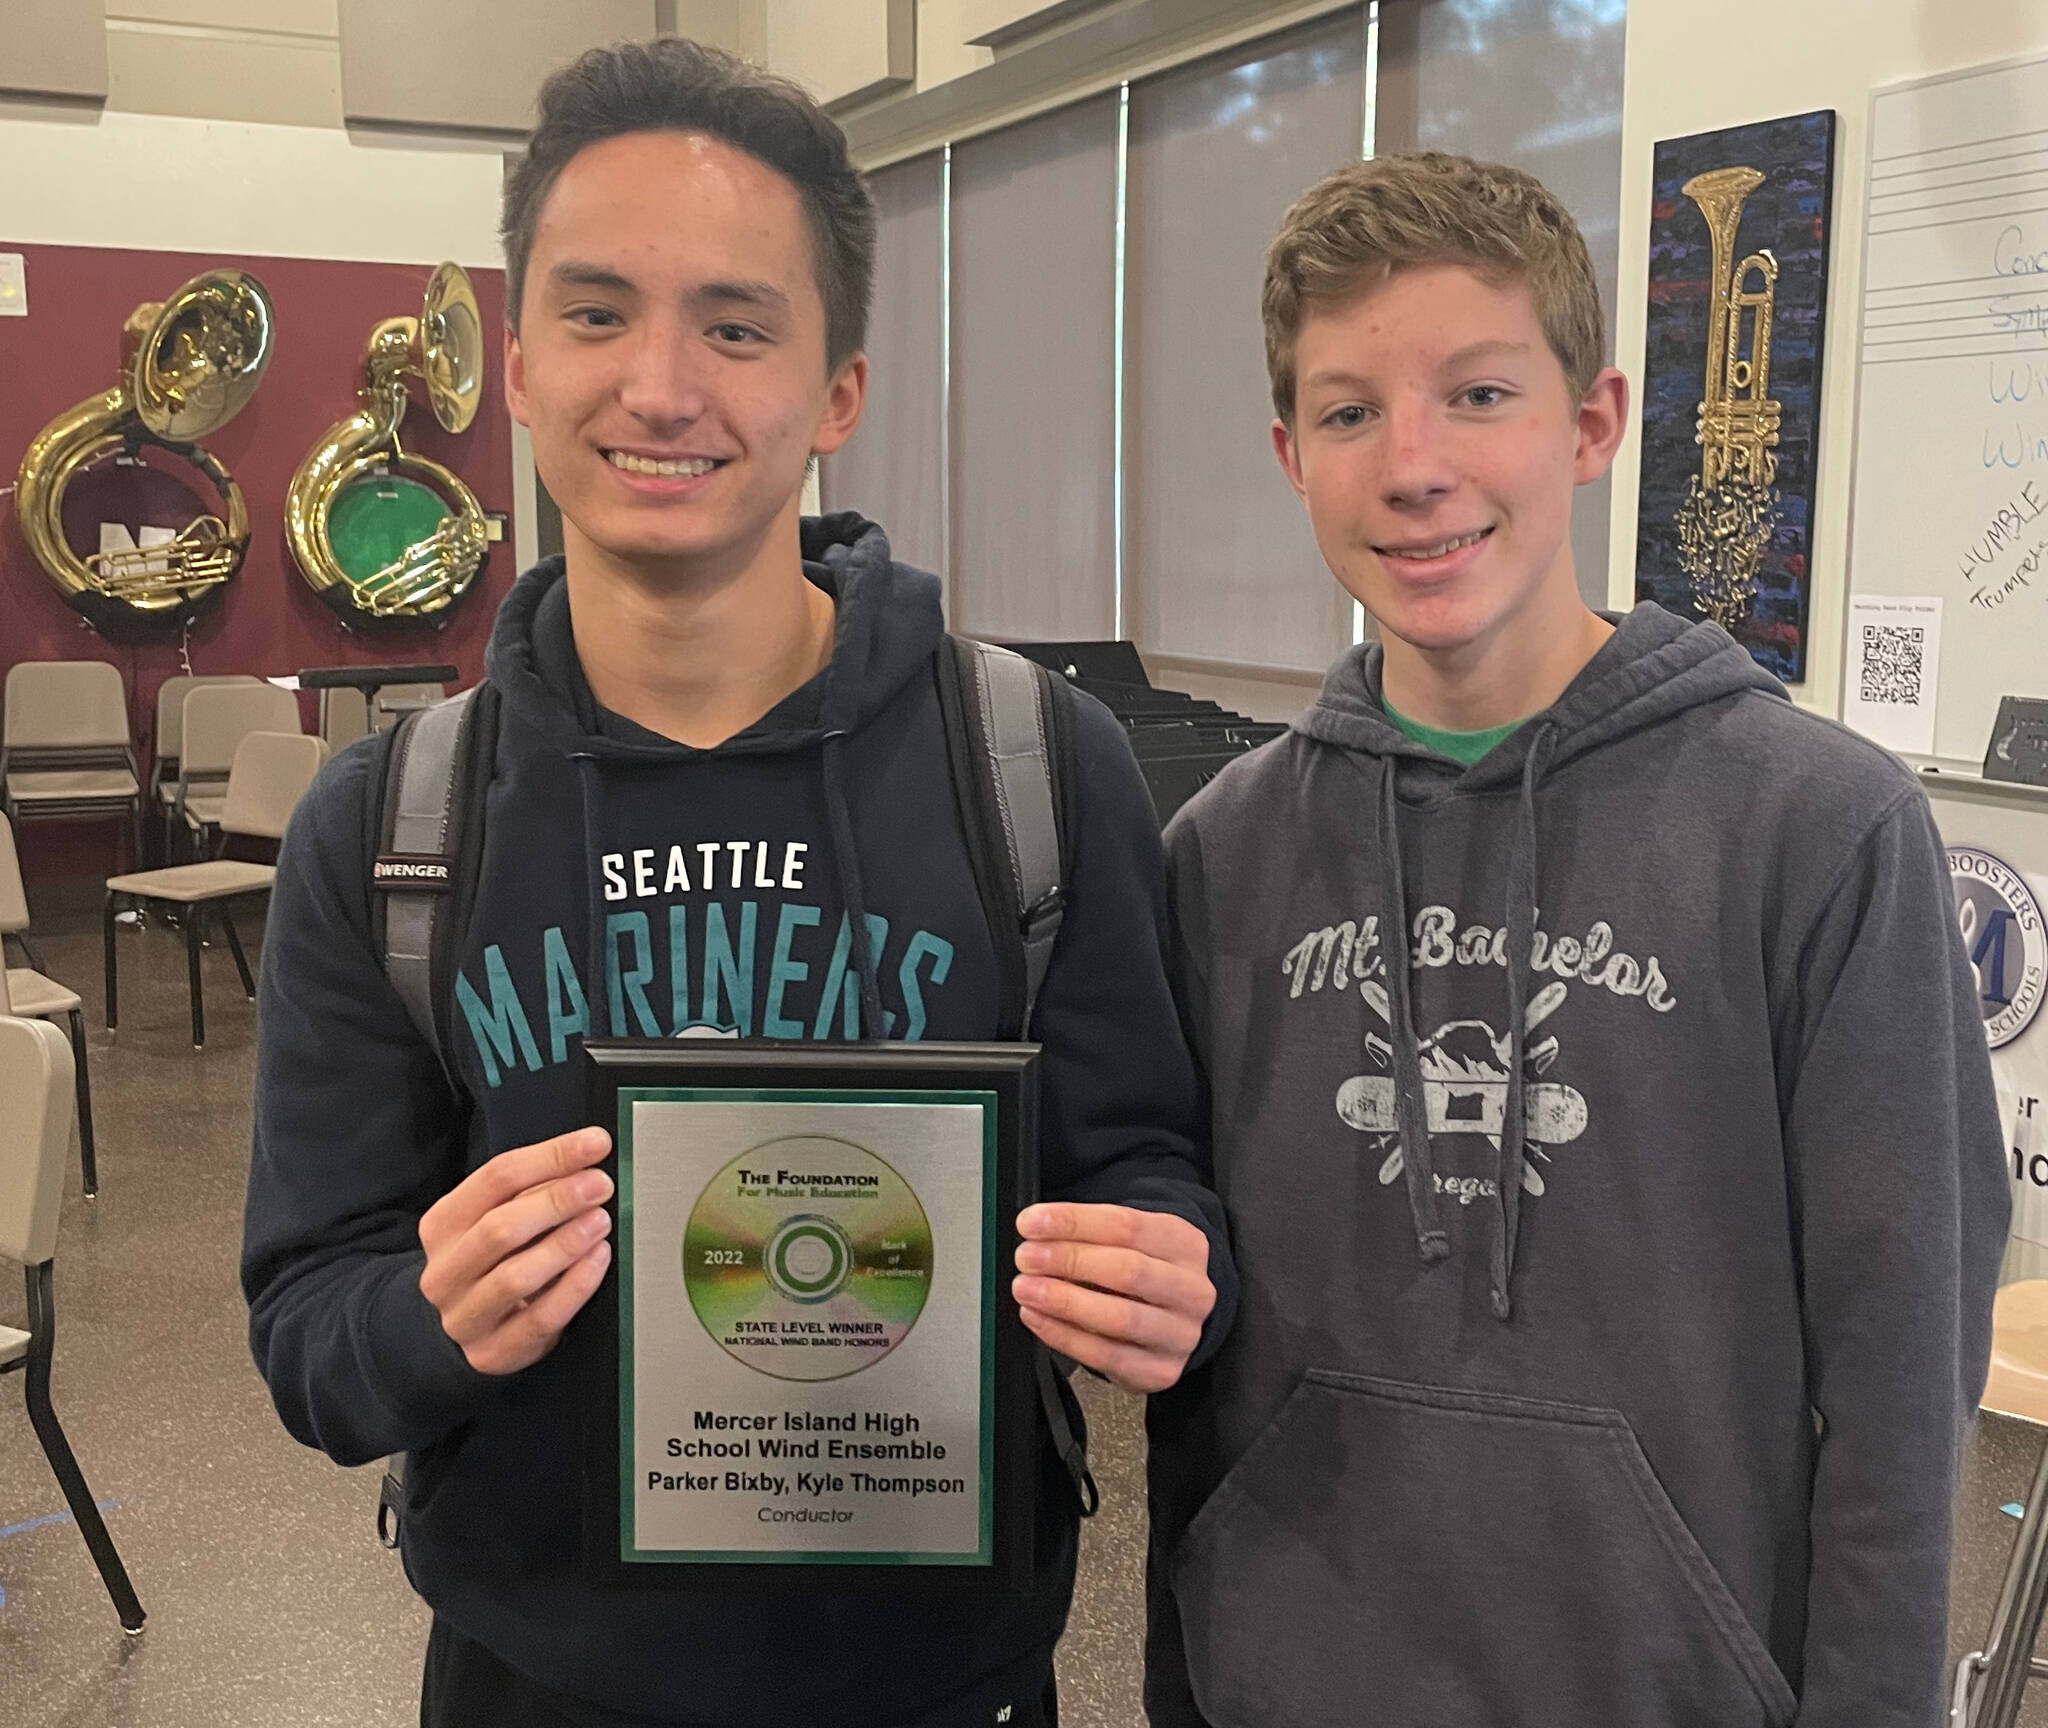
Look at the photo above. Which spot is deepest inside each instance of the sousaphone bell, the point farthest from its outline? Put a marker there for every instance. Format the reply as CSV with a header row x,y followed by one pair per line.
x,y
382,533
189,365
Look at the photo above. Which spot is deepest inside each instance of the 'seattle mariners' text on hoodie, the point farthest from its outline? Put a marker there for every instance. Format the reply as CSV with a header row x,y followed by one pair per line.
x,y
634,886
1609,1146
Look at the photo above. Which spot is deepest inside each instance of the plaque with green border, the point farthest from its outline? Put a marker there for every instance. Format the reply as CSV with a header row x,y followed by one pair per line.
x,y
818,1362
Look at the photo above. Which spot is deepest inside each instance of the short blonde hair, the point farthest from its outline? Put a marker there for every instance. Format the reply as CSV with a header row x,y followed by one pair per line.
x,y
1353,229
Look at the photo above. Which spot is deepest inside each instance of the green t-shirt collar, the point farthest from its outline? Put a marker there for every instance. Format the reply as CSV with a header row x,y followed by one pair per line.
x,y
1463,748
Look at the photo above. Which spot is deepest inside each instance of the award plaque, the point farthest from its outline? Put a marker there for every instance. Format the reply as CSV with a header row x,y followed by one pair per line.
x,y
819,1363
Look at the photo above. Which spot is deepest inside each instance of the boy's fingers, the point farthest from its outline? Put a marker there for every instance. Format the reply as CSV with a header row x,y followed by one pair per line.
x,y
1163,1235
1127,1366
530,1333
1123,1272
455,1264
1111,1317
507,1176
518,1279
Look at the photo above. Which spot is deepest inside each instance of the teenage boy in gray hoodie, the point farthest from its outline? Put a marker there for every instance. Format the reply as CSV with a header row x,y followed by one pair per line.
x,y
1597,1084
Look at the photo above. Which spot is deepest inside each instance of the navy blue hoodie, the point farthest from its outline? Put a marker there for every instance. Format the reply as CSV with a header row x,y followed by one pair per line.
x,y
635,886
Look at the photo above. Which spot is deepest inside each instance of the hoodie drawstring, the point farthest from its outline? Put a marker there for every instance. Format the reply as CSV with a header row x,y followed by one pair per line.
x,y
590,794
1411,1109
848,864
1520,925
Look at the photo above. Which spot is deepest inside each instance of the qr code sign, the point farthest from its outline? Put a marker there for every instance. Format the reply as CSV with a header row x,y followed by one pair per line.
x,y
1894,656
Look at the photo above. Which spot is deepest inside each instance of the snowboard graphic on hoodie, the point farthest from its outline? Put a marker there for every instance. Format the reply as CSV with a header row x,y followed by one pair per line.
x,y
1465,1072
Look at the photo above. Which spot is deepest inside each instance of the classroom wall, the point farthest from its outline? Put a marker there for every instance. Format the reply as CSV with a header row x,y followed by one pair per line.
x,y
444,65
160,181
945,32
1693,67
265,60
842,51
56,48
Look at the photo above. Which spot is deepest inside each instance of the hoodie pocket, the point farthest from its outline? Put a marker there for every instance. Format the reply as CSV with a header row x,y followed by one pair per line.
x,y
1417,1557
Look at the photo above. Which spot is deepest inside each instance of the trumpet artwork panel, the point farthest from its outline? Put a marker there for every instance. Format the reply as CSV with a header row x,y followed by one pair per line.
x,y
1739,232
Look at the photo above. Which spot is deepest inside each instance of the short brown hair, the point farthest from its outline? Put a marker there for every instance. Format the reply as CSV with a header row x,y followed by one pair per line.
x,y
1355,228
675,85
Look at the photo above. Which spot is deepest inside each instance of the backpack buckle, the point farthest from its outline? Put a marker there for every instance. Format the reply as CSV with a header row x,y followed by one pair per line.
x,y
1043,913
390,1504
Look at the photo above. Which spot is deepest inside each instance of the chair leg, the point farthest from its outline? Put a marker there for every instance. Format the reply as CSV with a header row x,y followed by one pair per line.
x,y
42,1325
85,1146
113,979
195,915
2017,1619
227,918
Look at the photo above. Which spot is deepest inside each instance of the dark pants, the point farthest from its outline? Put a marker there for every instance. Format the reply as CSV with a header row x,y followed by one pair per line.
x,y
466,1686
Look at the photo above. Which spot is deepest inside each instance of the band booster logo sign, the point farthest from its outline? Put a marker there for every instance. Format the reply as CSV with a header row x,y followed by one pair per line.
x,y
2004,935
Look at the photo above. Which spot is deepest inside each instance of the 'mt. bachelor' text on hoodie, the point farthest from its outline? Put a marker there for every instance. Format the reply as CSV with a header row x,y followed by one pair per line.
x,y
633,886
1609,1145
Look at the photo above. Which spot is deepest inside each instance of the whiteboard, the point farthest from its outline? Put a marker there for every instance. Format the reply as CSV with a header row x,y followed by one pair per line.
x,y
1951,486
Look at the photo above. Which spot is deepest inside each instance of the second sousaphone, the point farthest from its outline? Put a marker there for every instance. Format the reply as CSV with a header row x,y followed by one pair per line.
x,y
381,532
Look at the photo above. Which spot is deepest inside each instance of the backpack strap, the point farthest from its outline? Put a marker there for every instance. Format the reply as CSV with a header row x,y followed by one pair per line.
x,y
1006,740
426,833
1005,736
430,838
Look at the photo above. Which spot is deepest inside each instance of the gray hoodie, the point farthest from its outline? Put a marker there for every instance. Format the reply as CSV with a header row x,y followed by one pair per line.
x,y
1617,1263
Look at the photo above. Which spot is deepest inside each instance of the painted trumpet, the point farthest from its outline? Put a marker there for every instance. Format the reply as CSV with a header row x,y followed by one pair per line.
x,y
1731,505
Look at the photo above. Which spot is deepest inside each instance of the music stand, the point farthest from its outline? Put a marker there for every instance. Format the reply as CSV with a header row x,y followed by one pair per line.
x,y
370,679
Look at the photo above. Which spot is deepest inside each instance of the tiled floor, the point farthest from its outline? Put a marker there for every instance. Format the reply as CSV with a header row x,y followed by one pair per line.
x,y
270,1603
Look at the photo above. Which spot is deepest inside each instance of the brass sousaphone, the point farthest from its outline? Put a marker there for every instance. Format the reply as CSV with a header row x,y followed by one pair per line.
x,y
381,532
189,365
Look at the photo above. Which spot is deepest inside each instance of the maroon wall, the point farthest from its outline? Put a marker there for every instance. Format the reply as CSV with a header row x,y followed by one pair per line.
x,y
268,621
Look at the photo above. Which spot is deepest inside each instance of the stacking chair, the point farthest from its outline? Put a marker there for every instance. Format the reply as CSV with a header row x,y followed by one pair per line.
x,y
28,993
1991,1683
65,753
270,774
168,743
217,718
35,1130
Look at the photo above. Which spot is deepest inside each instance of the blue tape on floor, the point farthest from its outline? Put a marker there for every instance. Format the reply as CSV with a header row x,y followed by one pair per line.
x,y
2013,1510
49,1518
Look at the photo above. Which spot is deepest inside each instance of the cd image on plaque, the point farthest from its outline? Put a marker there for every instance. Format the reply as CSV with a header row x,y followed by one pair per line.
x,y
807,1258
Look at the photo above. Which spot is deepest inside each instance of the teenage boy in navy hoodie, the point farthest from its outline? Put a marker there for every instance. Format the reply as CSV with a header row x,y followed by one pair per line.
x,y
1600,1102
705,678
